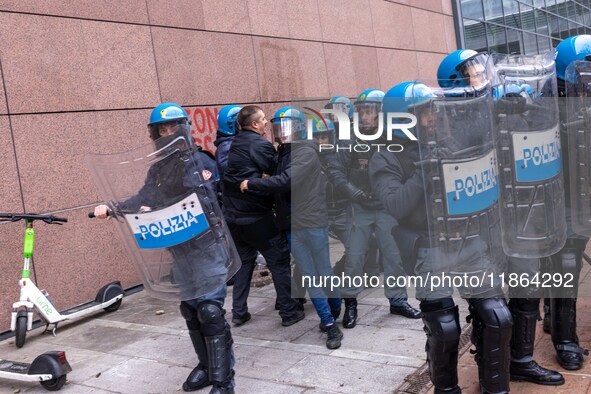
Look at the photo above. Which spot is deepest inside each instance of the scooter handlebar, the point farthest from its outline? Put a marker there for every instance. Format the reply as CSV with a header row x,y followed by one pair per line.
x,y
15,217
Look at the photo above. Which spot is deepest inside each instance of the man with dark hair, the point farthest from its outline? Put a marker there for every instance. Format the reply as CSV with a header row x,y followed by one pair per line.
x,y
251,220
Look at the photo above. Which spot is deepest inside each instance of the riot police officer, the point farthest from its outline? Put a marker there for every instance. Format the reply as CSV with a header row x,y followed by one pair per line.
x,y
225,134
367,215
533,224
428,231
204,315
573,57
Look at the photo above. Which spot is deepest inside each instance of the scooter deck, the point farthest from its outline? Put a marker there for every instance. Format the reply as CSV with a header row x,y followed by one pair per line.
x,y
14,367
80,308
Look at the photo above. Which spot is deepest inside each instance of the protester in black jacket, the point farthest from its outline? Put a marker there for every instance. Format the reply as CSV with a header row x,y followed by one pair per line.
x,y
251,220
300,186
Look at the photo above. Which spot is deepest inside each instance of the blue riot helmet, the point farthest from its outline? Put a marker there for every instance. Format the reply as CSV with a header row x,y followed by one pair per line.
x,y
368,106
463,68
323,130
342,104
227,120
287,122
571,49
409,97
169,120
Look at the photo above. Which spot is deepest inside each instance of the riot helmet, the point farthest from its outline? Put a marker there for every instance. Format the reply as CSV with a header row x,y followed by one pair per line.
x,y
227,120
342,104
464,68
323,131
411,97
169,121
368,107
287,122
571,49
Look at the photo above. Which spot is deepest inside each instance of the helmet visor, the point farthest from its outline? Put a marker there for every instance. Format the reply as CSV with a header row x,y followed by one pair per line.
x,y
369,113
163,133
283,130
474,71
324,137
343,107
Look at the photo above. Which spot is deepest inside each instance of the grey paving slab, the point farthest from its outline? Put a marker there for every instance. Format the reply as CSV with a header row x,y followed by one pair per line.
x,y
263,327
98,338
345,375
139,375
256,386
170,349
69,388
271,362
380,316
380,342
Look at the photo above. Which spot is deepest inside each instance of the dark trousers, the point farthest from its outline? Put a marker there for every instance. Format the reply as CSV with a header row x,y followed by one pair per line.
x,y
264,236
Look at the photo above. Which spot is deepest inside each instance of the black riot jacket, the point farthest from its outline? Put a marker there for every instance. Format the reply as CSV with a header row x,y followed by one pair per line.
x,y
399,186
250,156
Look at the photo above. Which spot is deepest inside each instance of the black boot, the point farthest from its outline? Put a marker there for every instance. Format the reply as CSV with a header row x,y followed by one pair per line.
x,y
564,333
224,387
199,376
219,351
442,327
350,316
531,371
525,312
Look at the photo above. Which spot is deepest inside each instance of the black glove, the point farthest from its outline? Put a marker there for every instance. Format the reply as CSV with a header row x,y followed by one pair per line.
x,y
354,193
511,104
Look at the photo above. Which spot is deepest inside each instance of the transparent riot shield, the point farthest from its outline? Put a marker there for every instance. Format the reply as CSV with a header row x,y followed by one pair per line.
x,y
164,206
458,162
533,219
577,125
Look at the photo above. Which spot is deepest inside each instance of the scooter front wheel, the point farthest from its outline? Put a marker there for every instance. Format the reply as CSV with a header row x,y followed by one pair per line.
x,y
21,329
54,384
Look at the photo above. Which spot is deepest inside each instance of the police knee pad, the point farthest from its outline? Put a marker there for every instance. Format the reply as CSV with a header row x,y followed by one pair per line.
x,y
492,327
211,318
443,328
491,312
190,315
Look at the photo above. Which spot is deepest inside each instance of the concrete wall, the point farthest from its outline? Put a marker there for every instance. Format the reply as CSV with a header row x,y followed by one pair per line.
x,y
81,77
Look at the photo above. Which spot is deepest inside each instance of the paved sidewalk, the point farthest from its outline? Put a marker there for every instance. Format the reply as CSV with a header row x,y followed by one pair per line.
x,y
139,349
145,348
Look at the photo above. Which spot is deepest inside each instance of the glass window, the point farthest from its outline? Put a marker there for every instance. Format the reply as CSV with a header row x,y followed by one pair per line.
x,y
587,20
514,41
493,11
563,28
512,18
530,44
543,44
510,6
573,29
553,26
579,11
472,9
539,3
475,35
541,22
497,41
